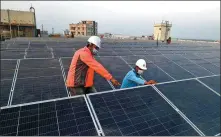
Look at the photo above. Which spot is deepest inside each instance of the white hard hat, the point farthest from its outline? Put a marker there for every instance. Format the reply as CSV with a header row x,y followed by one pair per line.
x,y
95,40
141,63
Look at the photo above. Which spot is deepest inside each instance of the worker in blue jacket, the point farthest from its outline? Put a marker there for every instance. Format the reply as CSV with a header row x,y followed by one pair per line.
x,y
133,77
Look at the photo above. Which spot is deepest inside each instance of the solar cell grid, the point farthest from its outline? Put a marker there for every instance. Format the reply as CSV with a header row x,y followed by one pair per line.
x,y
117,68
7,74
42,54
5,92
212,82
39,72
197,70
211,67
203,105
34,63
174,70
61,117
139,111
38,89
155,73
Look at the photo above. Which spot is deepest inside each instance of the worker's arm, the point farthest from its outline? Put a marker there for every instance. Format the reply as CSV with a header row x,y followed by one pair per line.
x,y
96,66
137,80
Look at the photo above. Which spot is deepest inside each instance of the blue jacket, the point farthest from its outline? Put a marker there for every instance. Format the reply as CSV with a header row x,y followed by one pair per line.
x,y
132,79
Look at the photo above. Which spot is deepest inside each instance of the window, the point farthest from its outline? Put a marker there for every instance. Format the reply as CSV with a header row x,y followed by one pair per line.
x,y
82,33
73,28
82,28
78,28
78,32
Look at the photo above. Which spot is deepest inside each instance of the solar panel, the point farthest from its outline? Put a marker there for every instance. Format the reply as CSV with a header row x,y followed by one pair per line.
x,y
142,52
156,59
101,83
197,102
38,89
133,59
5,92
39,63
12,55
107,53
139,111
213,60
212,82
39,54
8,64
62,117
39,72
152,52
209,66
155,73
7,74
174,70
116,66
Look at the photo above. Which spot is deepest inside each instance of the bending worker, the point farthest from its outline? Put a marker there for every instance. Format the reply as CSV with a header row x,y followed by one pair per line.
x,y
83,65
133,77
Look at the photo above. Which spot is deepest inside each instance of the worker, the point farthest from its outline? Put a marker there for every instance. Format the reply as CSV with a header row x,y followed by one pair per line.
x,y
169,40
133,77
83,65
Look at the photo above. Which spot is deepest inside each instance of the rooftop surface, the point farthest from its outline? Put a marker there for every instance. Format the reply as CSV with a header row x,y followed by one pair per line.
x,y
35,101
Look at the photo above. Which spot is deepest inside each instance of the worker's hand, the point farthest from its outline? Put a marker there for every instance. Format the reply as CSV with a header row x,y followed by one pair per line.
x,y
115,82
150,82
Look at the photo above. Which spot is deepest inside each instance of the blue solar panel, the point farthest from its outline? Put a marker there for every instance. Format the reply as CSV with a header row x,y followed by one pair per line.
x,y
8,64
116,66
63,117
197,70
140,111
154,73
212,68
43,72
197,102
7,74
39,63
212,82
5,92
38,89
174,70
101,83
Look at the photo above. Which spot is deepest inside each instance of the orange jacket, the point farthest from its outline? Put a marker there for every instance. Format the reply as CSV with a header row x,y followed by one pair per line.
x,y
81,71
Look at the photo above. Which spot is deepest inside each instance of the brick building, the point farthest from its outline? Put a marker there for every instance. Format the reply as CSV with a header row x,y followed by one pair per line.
x,y
84,28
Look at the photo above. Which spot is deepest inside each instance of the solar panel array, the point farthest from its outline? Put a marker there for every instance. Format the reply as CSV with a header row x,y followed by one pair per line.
x,y
35,101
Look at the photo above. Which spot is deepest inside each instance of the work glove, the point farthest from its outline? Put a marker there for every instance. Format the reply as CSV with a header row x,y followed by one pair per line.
x,y
115,82
150,82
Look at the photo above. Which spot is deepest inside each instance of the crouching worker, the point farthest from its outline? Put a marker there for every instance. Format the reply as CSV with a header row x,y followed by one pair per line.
x,y
80,76
133,77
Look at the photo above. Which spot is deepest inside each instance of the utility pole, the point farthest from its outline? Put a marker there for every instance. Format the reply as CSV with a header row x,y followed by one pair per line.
x,y
42,27
10,26
52,30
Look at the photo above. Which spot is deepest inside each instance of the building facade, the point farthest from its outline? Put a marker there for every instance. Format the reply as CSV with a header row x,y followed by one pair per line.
x,y
84,28
18,23
162,31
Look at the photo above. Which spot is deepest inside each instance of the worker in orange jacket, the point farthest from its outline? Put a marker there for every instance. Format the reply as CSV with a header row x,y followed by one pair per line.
x,y
81,72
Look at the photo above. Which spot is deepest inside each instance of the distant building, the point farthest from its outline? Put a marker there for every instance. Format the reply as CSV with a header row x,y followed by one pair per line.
x,y
84,28
162,31
18,23
44,33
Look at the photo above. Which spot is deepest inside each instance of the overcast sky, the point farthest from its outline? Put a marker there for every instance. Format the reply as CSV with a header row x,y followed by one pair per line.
x,y
191,19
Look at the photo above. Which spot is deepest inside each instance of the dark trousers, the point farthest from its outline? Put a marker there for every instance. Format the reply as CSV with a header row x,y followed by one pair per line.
x,y
82,90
